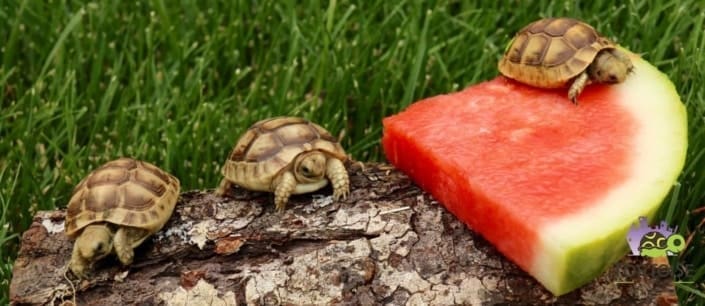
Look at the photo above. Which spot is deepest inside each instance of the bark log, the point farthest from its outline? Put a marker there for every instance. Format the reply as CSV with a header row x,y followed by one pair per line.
x,y
388,243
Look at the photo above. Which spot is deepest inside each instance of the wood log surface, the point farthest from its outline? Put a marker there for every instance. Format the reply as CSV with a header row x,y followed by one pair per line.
x,y
388,243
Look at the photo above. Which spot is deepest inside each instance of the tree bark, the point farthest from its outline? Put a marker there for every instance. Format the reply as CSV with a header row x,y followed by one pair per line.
x,y
388,243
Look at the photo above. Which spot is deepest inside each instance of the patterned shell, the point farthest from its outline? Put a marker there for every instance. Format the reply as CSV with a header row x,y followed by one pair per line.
x,y
550,52
124,192
653,240
270,145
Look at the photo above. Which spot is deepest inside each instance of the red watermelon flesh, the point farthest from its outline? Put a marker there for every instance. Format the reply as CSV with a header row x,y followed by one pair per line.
x,y
551,185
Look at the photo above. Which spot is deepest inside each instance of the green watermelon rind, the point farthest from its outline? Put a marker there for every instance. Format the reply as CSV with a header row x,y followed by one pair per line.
x,y
579,248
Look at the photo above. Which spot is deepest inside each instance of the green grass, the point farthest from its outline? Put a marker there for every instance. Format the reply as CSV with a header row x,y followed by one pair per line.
x,y
176,82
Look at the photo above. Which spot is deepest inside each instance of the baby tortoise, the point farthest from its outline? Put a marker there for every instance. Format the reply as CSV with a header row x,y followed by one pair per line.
x,y
556,52
286,155
115,208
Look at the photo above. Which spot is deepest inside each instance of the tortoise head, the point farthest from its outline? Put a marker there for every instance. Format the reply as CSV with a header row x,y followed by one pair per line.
x,y
675,243
95,242
610,66
310,166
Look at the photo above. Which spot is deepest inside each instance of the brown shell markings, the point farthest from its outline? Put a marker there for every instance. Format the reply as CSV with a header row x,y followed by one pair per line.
x,y
266,138
124,192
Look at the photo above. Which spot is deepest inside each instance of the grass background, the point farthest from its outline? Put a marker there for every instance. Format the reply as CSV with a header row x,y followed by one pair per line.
x,y
176,82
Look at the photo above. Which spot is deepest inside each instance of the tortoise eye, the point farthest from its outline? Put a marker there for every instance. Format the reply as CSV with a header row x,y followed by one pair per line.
x,y
100,247
305,170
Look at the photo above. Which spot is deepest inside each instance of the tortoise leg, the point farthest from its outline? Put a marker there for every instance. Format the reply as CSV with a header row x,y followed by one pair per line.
x,y
78,264
338,175
577,87
285,186
123,246
224,187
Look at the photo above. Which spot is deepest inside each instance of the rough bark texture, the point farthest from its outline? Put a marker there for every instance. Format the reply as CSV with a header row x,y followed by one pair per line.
x,y
388,243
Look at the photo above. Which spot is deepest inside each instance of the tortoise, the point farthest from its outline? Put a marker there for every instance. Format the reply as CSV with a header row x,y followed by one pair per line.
x,y
286,155
115,208
655,244
557,52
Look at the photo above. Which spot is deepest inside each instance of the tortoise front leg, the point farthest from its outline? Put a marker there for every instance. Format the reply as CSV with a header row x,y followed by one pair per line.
x,y
285,186
126,240
78,264
338,175
224,187
577,87
123,246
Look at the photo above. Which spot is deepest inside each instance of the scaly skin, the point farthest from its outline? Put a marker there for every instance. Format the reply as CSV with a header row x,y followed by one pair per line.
x,y
78,264
624,59
123,246
577,87
285,186
338,175
223,188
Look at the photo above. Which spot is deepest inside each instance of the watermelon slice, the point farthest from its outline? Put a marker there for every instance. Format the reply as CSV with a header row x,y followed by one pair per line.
x,y
553,186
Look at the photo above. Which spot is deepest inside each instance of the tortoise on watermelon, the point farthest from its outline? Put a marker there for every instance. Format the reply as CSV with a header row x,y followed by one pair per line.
x,y
655,244
115,208
286,155
556,52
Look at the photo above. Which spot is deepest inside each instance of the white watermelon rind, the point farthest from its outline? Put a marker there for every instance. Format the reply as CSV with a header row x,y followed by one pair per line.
x,y
576,249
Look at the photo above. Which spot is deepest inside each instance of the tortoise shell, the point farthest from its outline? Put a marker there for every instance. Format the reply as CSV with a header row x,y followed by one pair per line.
x,y
550,52
653,240
124,192
270,146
